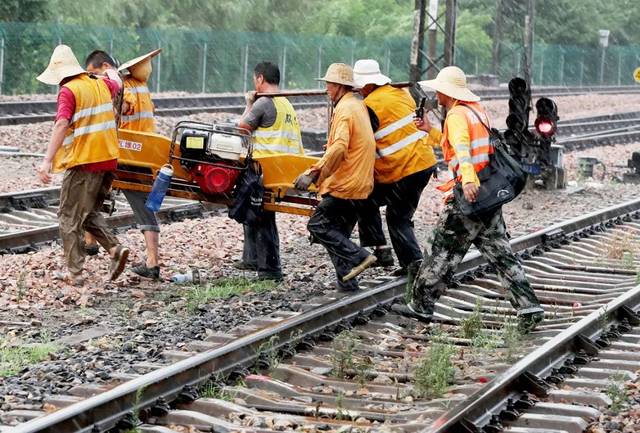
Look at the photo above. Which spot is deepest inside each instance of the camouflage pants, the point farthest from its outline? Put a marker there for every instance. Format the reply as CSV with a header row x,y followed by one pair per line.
x,y
451,239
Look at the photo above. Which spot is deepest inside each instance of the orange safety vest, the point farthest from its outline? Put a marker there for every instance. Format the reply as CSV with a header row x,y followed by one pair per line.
x,y
480,147
91,136
137,93
401,148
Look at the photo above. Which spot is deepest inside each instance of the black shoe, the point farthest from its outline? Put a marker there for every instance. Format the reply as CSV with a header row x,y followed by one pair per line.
x,y
414,312
92,249
268,276
400,272
530,318
243,266
146,272
384,257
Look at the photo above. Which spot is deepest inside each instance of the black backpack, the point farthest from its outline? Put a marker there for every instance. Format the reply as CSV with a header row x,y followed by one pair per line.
x,y
248,195
502,180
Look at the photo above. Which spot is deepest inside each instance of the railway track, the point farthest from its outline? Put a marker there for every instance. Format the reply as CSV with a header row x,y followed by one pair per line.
x,y
28,220
349,364
13,113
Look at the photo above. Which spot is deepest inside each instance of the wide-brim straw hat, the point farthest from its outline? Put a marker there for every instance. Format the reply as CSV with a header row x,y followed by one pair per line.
x,y
367,71
339,73
452,82
63,64
133,62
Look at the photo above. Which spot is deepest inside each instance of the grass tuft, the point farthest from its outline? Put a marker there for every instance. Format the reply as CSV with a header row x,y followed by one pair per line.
x,y
15,359
435,370
224,289
617,392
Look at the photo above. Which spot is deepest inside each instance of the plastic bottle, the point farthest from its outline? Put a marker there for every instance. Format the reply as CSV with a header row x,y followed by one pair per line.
x,y
160,187
192,275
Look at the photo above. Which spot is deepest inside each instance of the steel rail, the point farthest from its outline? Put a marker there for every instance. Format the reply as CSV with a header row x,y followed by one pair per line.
x,y
101,412
15,112
475,412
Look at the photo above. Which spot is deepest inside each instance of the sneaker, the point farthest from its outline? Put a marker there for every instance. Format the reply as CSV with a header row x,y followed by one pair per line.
x,y
357,270
144,271
92,249
529,318
384,257
413,311
118,262
243,266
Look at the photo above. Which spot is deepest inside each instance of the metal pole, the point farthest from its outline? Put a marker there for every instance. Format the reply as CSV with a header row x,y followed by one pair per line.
x,y
497,36
1,64
581,72
387,61
111,44
476,69
541,68
602,59
432,38
246,68
158,70
619,66
319,65
204,67
450,33
283,81
417,41
529,22
562,69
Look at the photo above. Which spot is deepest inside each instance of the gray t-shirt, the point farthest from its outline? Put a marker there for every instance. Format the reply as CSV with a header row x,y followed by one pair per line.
x,y
262,114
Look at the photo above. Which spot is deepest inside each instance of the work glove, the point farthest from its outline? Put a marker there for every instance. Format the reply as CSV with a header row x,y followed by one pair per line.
x,y
303,181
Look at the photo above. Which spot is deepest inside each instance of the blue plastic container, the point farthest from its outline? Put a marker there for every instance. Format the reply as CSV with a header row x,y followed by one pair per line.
x,y
159,190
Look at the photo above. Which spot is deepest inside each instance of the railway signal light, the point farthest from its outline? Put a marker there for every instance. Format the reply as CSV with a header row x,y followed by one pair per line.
x,y
546,122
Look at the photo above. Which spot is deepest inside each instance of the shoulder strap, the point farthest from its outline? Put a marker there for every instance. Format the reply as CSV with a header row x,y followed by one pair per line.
x,y
478,117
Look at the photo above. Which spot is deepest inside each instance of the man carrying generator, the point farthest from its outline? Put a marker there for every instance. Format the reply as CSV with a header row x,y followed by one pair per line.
x,y
275,130
84,145
136,115
404,164
344,177
467,149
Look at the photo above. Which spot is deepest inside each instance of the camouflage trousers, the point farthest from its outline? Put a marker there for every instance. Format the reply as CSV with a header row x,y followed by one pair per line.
x,y
451,239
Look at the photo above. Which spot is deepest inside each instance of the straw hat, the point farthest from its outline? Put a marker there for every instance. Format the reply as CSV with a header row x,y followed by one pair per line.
x,y
140,59
339,73
367,71
63,64
452,82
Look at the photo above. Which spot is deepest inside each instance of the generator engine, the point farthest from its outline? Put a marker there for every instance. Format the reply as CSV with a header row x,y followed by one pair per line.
x,y
213,155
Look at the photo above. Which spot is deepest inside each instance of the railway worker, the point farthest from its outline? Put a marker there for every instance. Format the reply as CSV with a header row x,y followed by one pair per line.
x,y
403,166
344,177
84,145
137,115
466,149
275,130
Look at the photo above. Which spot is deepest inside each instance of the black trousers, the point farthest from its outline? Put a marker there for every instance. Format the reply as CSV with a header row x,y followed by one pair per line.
x,y
331,225
262,245
401,199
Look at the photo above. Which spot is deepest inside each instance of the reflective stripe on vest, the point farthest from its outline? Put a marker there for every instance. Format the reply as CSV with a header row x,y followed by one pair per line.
x,y
281,137
138,89
137,116
91,135
401,149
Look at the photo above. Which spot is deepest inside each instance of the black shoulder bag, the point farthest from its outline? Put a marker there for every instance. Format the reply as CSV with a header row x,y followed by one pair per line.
x,y
502,180
249,195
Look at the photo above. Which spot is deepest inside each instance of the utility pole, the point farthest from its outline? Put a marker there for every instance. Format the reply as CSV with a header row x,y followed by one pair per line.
x,y
435,24
497,38
417,41
529,23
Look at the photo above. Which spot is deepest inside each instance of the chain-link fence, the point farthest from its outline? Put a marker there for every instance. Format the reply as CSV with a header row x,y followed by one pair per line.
x,y
222,61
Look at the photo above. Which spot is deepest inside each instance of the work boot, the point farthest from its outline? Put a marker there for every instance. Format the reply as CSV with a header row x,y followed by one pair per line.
x,y
118,261
244,266
357,270
384,257
144,271
529,318
411,310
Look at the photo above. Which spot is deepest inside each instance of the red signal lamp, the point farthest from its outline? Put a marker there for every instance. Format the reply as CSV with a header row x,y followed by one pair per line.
x,y
545,127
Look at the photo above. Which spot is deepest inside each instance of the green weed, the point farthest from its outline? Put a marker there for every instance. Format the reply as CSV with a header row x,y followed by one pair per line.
x,y
617,392
224,289
435,370
268,353
15,359
342,359
472,325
